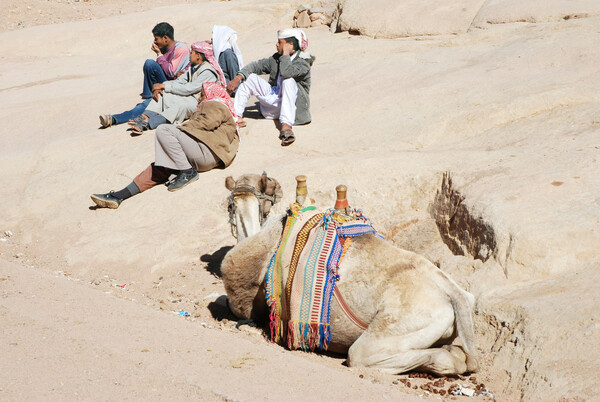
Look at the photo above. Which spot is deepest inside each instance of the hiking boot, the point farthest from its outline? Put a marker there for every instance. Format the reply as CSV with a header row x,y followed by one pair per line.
x,y
106,120
107,200
182,180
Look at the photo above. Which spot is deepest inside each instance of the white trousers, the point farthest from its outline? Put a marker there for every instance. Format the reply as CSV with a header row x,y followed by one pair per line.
x,y
275,102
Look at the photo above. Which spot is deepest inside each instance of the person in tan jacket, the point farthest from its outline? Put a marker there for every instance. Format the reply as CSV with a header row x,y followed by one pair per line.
x,y
209,139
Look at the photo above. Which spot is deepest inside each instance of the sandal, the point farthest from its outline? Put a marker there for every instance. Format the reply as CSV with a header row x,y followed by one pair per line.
x,y
287,137
140,119
140,127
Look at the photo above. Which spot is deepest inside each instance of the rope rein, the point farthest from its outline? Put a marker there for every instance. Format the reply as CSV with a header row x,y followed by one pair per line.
x,y
245,189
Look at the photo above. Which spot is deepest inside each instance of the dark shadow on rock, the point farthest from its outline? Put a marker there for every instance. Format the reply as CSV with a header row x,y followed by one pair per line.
x,y
214,260
220,310
253,112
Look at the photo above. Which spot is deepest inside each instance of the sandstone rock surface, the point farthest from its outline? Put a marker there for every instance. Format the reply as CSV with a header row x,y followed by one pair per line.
x,y
479,150
506,11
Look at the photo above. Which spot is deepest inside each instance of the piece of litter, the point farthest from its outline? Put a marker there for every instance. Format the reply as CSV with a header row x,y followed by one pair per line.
x,y
213,294
463,391
468,391
3,239
183,313
121,286
8,233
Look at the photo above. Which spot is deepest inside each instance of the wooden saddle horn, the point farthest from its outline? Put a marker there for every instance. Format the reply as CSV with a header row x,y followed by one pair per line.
x,y
341,203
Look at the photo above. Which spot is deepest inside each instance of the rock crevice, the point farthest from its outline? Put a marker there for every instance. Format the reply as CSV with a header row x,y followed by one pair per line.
x,y
462,232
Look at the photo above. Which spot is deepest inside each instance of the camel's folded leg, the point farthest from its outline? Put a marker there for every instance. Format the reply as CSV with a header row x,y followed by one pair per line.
x,y
435,360
411,351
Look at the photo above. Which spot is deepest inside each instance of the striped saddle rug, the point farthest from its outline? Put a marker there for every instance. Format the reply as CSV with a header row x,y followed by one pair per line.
x,y
302,274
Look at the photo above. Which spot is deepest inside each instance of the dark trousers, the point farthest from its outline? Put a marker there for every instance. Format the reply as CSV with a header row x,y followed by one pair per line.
x,y
228,62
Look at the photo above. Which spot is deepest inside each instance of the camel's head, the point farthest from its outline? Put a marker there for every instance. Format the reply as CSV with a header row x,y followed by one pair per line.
x,y
250,201
244,268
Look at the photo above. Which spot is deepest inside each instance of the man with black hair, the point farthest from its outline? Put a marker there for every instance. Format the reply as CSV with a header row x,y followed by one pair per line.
x,y
173,58
286,95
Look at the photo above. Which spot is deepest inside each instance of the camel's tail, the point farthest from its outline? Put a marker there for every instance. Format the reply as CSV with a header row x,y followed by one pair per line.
x,y
463,316
462,303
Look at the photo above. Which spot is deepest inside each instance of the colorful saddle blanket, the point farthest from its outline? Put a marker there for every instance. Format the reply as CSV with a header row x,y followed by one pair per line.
x,y
302,274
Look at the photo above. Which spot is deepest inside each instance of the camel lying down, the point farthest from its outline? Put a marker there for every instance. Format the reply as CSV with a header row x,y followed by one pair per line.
x,y
414,311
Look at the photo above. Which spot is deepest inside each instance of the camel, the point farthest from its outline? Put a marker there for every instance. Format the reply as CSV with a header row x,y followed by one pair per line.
x,y
250,202
416,316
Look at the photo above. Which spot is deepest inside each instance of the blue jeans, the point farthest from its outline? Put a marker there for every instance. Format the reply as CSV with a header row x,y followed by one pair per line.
x,y
153,74
131,114
155,119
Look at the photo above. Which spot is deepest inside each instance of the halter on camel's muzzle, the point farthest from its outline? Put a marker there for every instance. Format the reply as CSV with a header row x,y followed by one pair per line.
x,y
265,202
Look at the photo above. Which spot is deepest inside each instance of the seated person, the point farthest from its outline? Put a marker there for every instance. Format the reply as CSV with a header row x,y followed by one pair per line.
x,y
174,101
172,60
209,139
286,95
226,50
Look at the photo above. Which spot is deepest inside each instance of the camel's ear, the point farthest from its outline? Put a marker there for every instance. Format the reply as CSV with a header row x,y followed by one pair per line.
x,y
264,180
278,192
229,183
270,186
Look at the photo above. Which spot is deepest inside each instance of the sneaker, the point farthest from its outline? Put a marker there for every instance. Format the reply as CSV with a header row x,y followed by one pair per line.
x,y
182,180
105,120
107,200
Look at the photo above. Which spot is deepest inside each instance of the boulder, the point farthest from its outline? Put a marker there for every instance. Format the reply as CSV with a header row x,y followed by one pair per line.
x,y
320,19
303,7
387,19
303,20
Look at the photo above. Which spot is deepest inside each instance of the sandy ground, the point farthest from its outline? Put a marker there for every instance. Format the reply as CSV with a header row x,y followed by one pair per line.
x,y
20,14
89,298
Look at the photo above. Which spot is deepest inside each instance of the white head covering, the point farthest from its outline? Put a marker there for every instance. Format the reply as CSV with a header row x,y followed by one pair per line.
x,y
299,35
224,38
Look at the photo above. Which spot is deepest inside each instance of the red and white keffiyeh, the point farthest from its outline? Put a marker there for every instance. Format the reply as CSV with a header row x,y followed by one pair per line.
x,y
213,91
206,49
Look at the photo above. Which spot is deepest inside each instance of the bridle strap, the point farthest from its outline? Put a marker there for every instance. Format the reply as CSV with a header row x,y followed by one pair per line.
x,y
245,189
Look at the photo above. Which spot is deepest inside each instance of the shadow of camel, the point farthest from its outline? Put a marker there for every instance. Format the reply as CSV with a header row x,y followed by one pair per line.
x,y
214,260
220,310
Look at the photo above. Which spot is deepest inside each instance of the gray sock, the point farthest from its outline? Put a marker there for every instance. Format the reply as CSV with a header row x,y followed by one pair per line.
x,y
133,188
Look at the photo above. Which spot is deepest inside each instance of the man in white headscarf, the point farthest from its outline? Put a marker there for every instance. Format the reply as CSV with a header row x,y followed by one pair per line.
x,y
286,95
226,50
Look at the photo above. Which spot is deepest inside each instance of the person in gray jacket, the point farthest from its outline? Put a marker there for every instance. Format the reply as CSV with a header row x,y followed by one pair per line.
x,y
286,95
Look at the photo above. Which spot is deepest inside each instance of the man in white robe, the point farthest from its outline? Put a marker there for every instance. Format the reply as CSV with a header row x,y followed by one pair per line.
x,y
286,95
